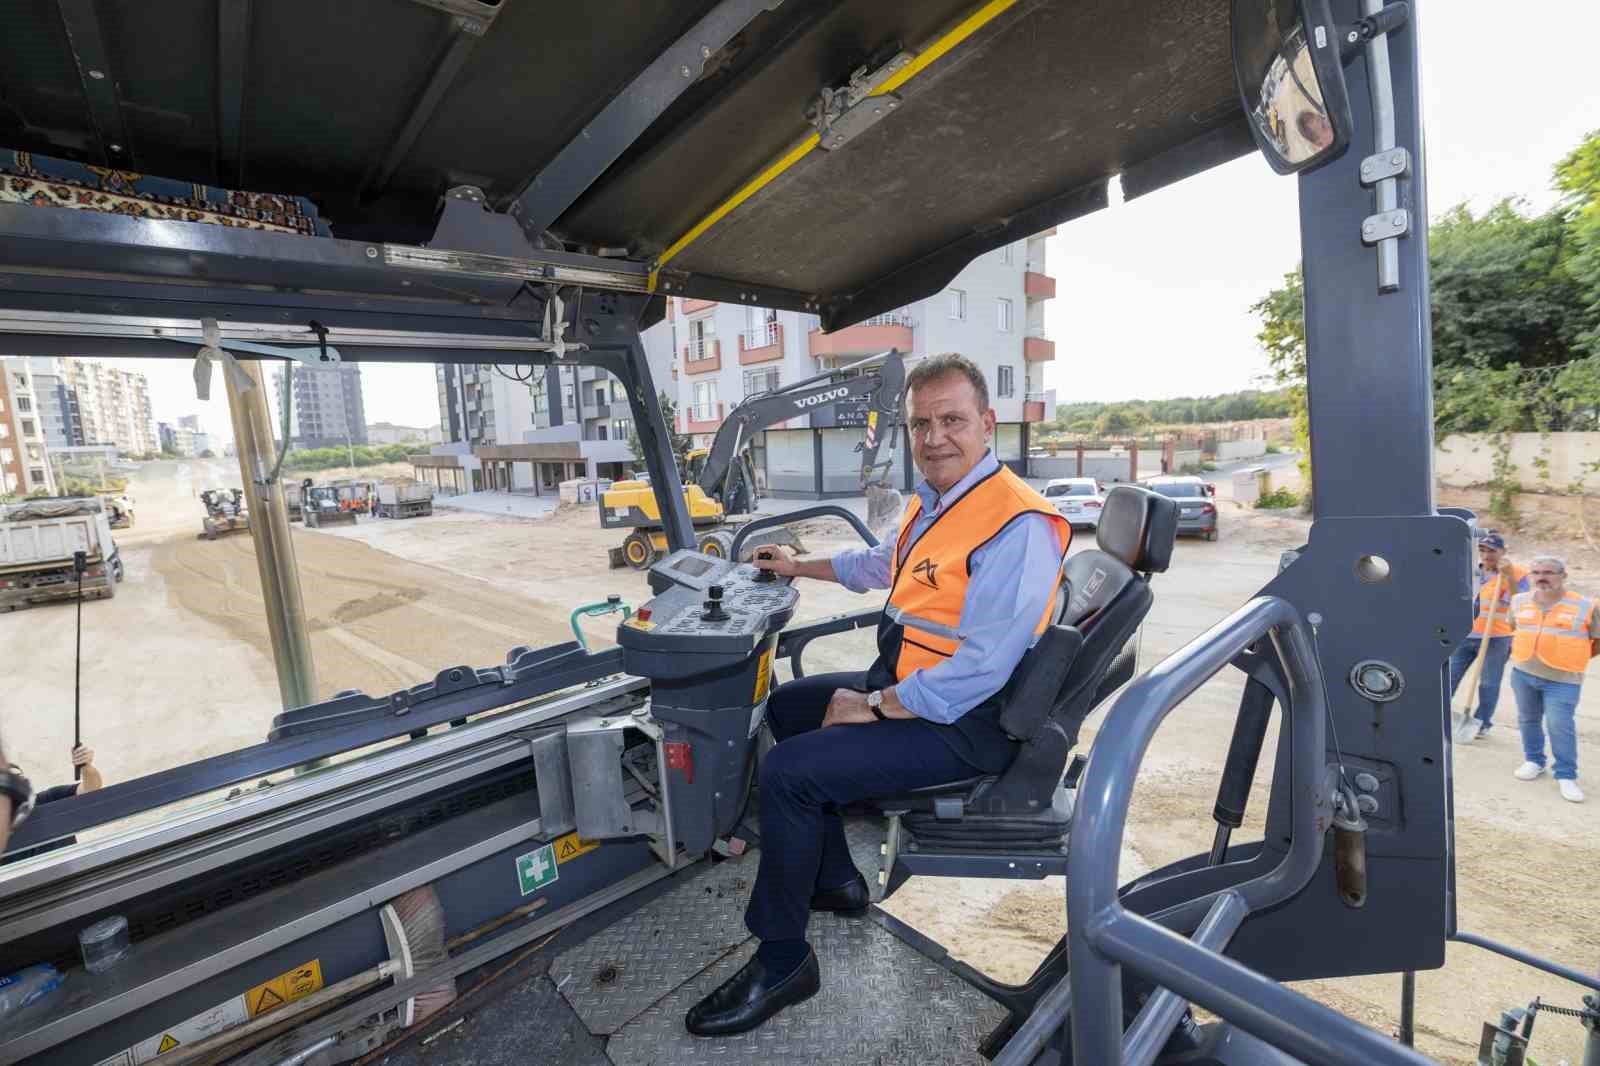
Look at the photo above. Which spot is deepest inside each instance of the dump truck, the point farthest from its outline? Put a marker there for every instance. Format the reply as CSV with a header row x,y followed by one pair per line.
x,y
37,542
404,499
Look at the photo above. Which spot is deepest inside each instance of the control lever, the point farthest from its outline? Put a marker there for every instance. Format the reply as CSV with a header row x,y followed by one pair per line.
x,y
1249,734
713,607
1349,848
765,576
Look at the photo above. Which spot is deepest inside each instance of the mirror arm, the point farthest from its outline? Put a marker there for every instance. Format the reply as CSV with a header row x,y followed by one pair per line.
x,y
1383,229
1354,37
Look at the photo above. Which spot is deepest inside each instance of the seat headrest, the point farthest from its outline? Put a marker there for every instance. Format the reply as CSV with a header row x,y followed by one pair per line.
x,y
1138,527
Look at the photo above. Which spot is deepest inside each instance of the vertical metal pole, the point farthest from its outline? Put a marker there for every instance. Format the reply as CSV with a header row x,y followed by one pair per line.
x,y
269,529
1408,1008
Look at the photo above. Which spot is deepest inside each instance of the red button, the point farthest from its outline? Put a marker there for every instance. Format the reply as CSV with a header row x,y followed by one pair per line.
x,y
643,614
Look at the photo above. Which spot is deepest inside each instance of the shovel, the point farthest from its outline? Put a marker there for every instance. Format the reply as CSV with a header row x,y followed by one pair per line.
x,y
1464,724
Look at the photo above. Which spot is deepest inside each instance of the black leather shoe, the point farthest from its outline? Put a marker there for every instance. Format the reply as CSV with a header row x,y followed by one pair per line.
x,y
852,897
750,997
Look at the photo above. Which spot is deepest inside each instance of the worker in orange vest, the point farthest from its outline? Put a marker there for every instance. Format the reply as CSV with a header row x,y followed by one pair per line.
x,y
1557,632
1493,566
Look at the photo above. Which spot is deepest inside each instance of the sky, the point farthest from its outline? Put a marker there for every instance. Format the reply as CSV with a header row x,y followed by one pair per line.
x,y
1153,296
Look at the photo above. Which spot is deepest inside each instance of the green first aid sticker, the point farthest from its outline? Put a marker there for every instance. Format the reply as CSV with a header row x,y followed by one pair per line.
x,y
537,869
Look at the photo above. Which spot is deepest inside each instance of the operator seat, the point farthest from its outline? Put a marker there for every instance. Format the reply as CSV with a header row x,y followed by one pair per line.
x,y
1089,651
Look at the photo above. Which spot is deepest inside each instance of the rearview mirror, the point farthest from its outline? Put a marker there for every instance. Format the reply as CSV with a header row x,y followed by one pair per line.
x,y
1291,81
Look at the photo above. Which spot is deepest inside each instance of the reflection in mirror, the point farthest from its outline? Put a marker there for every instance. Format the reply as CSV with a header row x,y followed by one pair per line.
x,y
1282,92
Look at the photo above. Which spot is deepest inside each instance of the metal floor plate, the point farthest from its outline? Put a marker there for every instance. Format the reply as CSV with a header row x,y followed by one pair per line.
x,y
881,1001
622,970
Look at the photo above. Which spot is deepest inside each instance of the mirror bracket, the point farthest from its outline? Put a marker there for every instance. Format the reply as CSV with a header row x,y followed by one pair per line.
x,y
1390,18
1385,226
1395,163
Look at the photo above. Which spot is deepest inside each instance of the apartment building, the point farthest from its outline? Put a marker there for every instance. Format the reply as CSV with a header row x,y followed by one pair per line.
x,y
328,410
58,403
24,452
178,440
113,406
527,429
992,312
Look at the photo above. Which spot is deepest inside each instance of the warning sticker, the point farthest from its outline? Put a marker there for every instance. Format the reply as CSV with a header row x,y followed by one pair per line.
x,y
571,846
537,869
285,988
763,676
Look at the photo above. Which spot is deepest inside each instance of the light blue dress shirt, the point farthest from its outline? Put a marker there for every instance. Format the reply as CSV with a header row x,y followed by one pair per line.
x,y
1012,577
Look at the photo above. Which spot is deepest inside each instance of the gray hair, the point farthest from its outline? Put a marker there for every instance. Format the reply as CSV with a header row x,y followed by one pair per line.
x,y
1555,560
937,366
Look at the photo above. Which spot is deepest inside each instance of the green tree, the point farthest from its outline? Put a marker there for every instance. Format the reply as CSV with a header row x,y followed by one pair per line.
x,y
1283,337
680,442
1578,178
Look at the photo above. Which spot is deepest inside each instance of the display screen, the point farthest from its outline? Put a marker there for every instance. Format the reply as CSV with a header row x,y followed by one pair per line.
x,y
691,566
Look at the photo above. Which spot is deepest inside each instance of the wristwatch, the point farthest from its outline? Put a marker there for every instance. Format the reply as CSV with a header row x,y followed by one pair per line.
x,y
16,788
875,705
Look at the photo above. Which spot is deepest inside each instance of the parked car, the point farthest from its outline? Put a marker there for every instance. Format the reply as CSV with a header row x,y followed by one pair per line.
x,y
1079,499
1197,513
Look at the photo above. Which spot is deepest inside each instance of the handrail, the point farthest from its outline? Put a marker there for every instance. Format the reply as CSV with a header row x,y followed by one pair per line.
x,y
823,510
1104,936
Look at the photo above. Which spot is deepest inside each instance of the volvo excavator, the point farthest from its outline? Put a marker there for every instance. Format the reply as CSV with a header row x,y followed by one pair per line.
x,y
720,482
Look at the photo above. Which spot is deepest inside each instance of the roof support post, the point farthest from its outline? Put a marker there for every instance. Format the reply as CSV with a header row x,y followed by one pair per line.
x,y
233,59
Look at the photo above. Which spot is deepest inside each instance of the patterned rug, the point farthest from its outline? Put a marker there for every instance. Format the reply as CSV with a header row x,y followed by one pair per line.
x,y
42,181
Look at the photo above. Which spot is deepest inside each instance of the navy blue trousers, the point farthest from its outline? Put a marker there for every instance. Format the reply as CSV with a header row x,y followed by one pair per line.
x,y
809,775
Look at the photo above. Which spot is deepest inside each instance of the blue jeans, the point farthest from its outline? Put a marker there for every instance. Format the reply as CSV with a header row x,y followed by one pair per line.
x,y
1494,668
1545,704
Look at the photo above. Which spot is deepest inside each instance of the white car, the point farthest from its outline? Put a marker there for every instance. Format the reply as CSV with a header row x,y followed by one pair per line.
x,y
1079,499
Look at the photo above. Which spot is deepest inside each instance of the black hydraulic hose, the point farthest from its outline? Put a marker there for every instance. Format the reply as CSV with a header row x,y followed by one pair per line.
x,y
1244,752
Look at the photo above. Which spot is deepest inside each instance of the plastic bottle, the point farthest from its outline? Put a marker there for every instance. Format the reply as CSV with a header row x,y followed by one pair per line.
x,y
19,989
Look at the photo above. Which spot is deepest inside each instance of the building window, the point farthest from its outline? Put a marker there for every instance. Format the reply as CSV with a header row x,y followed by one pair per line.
x,y
7,456
1002,315
705,401
761,380
28,428
1006,254
702,332
1005,381
621,428
24,403
36,475
600,397
956,303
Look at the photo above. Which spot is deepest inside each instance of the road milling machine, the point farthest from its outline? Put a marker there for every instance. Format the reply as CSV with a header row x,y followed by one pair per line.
x,y
225,513
545,857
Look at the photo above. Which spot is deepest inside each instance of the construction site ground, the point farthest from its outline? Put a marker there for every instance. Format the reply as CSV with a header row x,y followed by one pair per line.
x,y
178,666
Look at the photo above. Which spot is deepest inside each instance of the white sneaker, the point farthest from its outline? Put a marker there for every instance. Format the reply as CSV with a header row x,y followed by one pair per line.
x,y
1528,771
1570,790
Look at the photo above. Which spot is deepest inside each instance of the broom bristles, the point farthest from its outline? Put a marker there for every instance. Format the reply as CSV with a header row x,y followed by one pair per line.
x,y
422,918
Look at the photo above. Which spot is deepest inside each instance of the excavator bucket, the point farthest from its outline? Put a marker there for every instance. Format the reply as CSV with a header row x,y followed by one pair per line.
x,y
884,507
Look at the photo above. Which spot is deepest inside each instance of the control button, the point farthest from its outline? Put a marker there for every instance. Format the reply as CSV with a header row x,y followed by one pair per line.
x,y
642,614
713,606
1366,782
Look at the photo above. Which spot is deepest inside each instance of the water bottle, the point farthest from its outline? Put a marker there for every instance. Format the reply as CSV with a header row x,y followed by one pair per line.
x,y
19,989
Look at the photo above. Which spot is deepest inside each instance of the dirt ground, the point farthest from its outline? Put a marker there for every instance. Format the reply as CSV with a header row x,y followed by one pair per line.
x,y
178,666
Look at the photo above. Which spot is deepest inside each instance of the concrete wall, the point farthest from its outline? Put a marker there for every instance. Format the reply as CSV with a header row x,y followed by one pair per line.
x,y
1468,459
1230,450
1186,458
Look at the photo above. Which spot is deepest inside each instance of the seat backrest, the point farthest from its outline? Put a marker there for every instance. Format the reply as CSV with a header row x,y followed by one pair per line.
x,y
1105,597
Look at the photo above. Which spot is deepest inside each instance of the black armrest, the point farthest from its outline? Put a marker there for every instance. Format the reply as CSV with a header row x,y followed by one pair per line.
x,y
1036,683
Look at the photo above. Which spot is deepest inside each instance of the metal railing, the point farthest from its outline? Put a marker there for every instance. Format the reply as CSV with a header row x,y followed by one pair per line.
x,y
891,318
1105,936
696,350
762,335
1035,266
1038,332
705,412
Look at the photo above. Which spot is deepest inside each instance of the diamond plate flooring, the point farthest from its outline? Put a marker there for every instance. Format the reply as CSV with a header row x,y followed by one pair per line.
x,y
621,970
881,1003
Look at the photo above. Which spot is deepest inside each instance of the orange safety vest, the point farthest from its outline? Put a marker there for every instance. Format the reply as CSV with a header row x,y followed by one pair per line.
x,y
928,588
1559,636
1502,612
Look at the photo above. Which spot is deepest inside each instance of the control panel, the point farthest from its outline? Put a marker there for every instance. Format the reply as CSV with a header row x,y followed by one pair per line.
x,y
708,613
706,641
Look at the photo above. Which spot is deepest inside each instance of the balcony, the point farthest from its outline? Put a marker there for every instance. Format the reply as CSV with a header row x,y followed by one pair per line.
x,y
1037,348
702,418
1039,406
761,345
877,334
1037,285
702,357
691,306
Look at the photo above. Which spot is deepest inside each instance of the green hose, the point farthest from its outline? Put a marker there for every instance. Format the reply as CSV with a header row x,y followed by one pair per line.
x,y
612,605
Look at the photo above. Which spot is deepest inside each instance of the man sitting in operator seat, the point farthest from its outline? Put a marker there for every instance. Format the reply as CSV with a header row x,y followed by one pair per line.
x,y
972,575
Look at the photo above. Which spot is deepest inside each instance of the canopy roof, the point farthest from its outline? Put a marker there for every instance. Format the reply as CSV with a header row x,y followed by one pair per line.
x,y
619,125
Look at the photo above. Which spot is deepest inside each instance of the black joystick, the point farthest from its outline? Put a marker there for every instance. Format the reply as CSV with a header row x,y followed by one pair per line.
x,y
765,575
713,607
